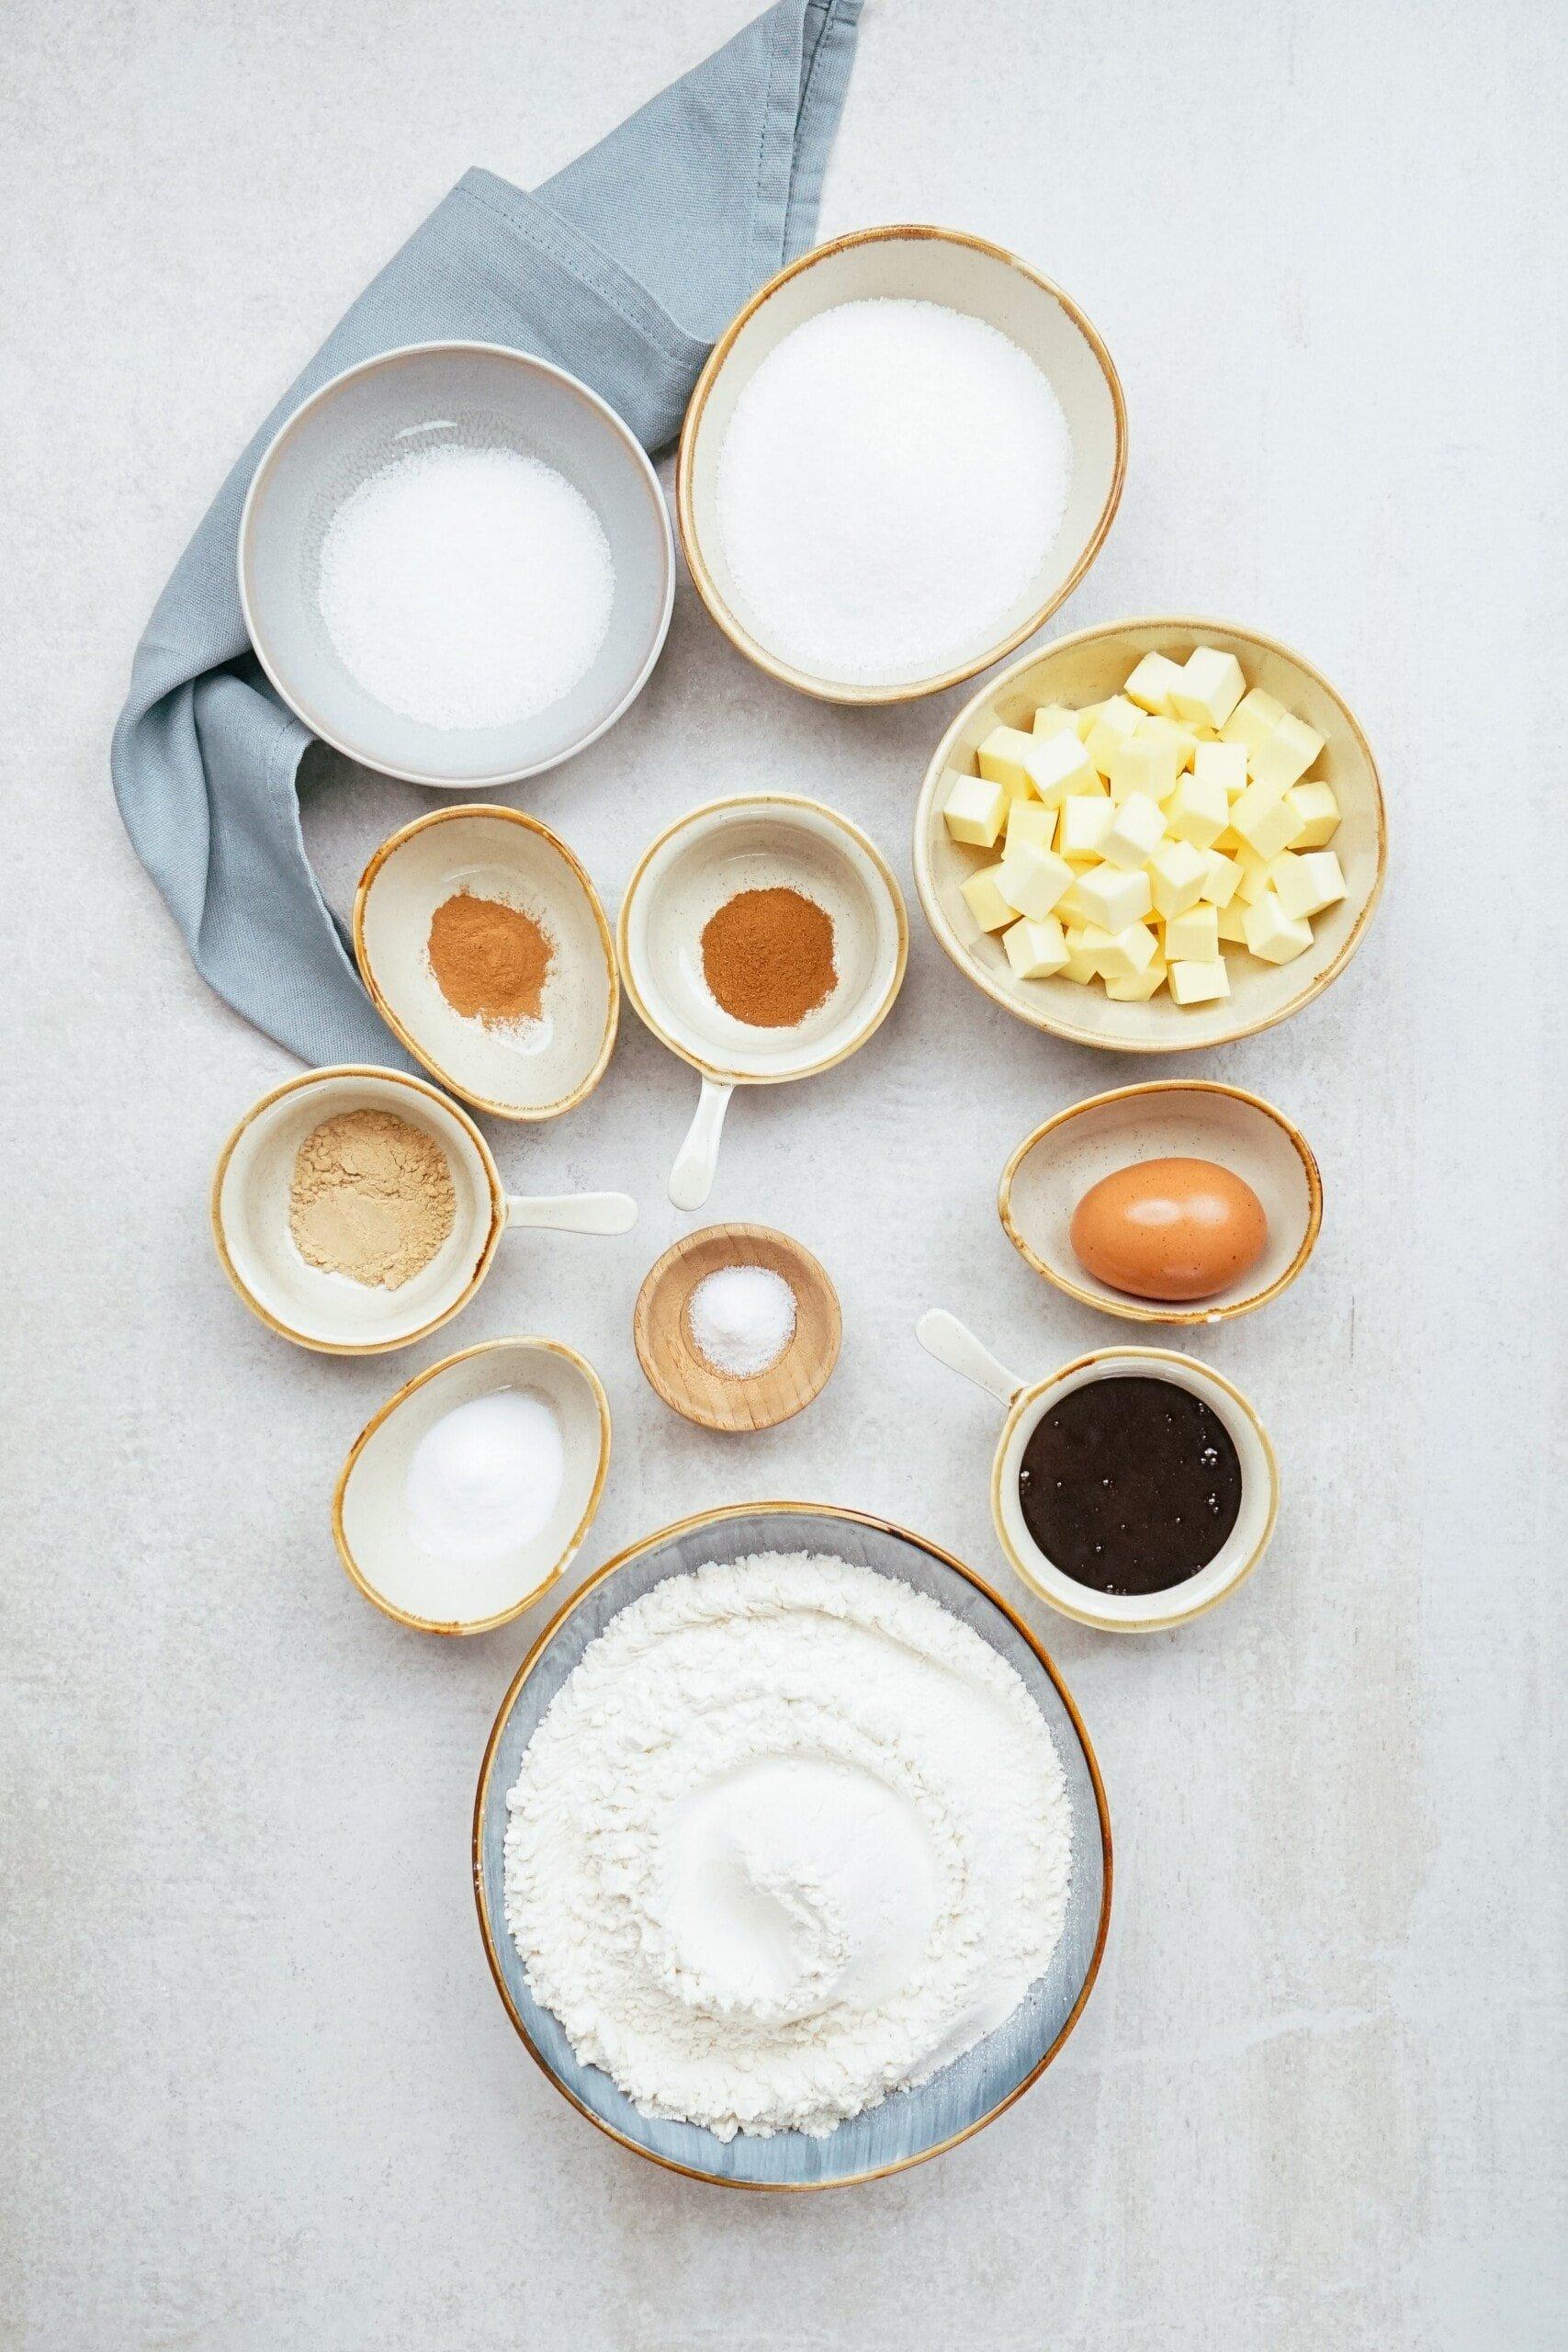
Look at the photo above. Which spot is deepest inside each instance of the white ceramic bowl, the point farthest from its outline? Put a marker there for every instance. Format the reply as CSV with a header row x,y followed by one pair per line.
x,y
961,273
369,1517
330,1312
543,1067
1182,1119
1087,668
477,395
759,842
1027,1402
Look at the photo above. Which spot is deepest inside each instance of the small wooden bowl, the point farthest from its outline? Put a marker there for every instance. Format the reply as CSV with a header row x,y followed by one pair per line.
x,y
717,1400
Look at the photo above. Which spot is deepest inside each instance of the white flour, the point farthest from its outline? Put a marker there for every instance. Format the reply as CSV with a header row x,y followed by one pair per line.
x,y
790,1837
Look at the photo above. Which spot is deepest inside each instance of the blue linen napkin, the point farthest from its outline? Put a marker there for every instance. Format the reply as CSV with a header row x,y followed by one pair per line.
x,y
624,268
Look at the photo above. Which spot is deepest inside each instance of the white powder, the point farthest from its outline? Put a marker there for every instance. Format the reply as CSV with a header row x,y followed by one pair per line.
x,y
466,587
743,1319
892,478
789,1838
484,1479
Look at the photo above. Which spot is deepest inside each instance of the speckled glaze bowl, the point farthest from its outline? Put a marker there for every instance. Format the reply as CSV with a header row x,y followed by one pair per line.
x,y
910,2126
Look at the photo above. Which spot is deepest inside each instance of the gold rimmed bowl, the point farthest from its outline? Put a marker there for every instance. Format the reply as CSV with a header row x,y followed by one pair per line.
x,y
1025,1404
370,1522
910,2126
527,1070
1088,667
1180,1119
912,262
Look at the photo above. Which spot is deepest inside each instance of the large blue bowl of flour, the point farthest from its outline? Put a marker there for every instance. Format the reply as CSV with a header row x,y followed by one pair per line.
x,y
910,2125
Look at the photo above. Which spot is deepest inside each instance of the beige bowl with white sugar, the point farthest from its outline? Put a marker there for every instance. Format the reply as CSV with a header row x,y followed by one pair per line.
x,y
912,262
531,1068
1089,667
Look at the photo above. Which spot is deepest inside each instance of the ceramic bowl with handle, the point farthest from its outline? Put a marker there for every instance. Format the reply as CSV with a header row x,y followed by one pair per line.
x,y
430,396
1026,1403
762,841
1088,668
330,1312
913,262
909,2126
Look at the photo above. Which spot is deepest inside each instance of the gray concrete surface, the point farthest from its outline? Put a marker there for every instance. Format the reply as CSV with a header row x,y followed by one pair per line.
x,y
261,2091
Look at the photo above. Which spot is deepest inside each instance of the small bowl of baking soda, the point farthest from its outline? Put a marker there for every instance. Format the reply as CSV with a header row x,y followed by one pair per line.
x,y
485,948
738,1327
761,939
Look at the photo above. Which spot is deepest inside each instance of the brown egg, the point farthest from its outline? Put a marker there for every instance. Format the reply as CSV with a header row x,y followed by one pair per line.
x,y
1169,1229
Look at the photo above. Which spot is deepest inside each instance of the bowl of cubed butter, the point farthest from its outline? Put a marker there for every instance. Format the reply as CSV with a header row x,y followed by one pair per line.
x,y
1160,835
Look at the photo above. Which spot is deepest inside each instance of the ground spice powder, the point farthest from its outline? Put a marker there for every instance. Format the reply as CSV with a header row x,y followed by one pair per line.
x,y
371,1197
768,958
491,961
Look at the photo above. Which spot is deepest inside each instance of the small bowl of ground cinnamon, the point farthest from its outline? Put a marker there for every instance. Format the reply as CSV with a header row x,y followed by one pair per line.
x,y
485,948
762,939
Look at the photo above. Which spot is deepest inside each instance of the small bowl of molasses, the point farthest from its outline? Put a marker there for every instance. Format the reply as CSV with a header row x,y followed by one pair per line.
x,y
1132,1489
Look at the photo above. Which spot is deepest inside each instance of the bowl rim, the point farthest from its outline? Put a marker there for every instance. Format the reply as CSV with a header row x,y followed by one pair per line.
x,y
953,947
311,1077
1143,1310
380,857
462,1626
684,1246
1031,1395
527,360
896,898
546,1635
909,232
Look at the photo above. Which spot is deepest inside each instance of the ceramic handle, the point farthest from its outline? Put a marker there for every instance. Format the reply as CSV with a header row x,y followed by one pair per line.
x,y
954,1344
574,1211
691,1178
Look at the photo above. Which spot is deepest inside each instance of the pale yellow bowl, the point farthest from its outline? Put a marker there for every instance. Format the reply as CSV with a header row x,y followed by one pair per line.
x,y
1088,667
962,273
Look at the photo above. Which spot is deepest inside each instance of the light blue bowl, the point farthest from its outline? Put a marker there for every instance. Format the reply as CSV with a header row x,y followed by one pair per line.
x,y
912,2125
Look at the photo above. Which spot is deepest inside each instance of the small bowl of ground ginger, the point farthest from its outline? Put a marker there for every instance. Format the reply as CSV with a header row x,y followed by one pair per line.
x,y
485,948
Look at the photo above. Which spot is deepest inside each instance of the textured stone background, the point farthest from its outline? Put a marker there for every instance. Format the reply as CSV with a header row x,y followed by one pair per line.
x,y
263,2092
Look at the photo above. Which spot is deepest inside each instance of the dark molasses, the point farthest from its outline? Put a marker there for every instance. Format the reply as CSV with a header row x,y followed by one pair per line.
x,y
1129,1485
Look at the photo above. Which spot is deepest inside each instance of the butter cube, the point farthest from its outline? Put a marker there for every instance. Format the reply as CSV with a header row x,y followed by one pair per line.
x,y
1286,756
1054,718
1121,956
1080,965
1273,934
974,810
1081,826
1305,884
1136,829
1220,880
1315,804
1151,682
1058,766
1027,822
1210,688
1197,810
986,902
1195,937
1137,987
1232,925
1225,764
1084,719
1110,898
1144,766
1198,983
1253,721
1254,875
1182,741
1035,950
1002,757
1031,878
1264,820
1116,722
1175,873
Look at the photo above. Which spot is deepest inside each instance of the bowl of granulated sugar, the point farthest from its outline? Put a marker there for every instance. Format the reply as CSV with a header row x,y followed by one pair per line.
x,y
457,565
900,458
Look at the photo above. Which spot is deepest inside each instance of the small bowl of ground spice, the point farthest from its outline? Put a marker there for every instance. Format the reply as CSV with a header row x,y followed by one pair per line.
x,y
762,939
485,948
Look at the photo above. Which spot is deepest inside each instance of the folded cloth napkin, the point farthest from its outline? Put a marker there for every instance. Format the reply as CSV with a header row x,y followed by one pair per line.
x,y
624,269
